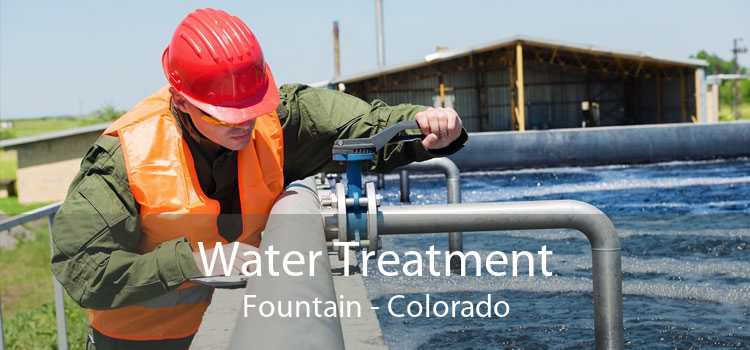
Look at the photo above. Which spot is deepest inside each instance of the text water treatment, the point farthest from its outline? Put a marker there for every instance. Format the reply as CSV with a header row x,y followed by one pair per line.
x,y
389,264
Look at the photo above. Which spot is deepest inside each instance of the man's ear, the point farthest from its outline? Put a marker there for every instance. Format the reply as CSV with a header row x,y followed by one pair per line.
x,y
178,100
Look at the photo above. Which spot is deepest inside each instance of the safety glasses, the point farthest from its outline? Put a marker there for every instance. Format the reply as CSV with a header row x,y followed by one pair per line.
x,y
213,121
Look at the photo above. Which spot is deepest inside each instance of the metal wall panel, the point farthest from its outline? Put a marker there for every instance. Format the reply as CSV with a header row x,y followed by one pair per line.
x,y
553,94
498,100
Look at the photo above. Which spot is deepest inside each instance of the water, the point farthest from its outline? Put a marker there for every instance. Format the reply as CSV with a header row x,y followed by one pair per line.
x,y
685,231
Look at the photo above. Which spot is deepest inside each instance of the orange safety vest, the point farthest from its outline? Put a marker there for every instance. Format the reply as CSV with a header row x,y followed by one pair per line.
x,y
163,181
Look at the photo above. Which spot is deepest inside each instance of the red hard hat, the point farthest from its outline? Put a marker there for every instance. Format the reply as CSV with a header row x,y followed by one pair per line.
x,y
215,61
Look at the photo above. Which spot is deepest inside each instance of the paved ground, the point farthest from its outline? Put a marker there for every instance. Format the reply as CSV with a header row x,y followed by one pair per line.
x,y
359,333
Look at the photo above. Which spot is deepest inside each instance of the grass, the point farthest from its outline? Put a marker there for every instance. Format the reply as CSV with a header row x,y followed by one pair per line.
x,y
8,165
29,127
10,206
27,297
35,126
725,111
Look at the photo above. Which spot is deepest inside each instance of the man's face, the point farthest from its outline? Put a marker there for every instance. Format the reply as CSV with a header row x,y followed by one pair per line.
x,y
235,137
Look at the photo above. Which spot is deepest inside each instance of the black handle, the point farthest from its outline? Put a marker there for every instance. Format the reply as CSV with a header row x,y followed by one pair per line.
x,y
388,134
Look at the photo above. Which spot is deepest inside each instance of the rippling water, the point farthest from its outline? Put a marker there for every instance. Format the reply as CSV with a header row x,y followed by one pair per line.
x,y
685,231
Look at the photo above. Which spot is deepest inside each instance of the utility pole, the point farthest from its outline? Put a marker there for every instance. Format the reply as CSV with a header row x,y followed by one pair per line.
x,y
336,50
736,49
379,33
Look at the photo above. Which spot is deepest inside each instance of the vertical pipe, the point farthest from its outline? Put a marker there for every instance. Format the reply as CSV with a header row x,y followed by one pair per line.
x,y
405,191
380,32
62,329
607,279
453,186
336,50
520,88
381,181
455,239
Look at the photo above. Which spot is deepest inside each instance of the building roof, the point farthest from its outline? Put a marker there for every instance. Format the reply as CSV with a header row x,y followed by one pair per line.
x,y
452,54
13,143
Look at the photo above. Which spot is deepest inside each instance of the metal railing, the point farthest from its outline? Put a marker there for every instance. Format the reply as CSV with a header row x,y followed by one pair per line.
x,y
36,214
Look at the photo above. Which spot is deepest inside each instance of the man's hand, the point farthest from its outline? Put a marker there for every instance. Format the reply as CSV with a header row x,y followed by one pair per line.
x,y
441,126
227,248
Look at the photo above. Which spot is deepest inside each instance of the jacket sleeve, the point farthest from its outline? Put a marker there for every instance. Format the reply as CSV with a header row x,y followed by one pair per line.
x,y
313,118
96,234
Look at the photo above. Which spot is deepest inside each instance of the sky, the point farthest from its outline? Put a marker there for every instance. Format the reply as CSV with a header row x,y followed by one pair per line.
x,y
72,57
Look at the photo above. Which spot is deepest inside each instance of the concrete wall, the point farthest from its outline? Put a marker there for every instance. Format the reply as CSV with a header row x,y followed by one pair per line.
x,y
46,182
604,145
46,167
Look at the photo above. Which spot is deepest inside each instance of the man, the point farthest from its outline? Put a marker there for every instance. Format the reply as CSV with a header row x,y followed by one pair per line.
x,y
203,160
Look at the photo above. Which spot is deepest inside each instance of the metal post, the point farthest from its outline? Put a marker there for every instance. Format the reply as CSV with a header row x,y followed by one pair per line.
x,y
2,331
379,32
605,245
736,49
381,181
336,50
62,329
453,185
405,191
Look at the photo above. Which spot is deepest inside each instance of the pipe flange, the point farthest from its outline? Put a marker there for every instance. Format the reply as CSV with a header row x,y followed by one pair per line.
x,y
341,215
372,217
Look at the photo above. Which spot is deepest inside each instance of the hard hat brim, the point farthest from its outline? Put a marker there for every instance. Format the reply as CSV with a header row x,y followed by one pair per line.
x,y
263,103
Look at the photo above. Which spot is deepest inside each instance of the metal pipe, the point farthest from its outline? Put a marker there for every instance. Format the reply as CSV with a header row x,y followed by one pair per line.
x,y
379,32
453,185
62,329
604,145
405,191
31,215
2,332
605,245
295,224
336,50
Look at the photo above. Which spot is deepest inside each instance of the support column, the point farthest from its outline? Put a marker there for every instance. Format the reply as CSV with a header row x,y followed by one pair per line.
x,y
512,91
441,90
700,115
521,114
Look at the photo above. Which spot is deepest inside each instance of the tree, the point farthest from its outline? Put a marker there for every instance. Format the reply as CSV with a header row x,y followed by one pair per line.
x,y
718,65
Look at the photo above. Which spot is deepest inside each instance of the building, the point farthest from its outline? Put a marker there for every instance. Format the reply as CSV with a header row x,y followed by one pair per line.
x,y
48,163
525,83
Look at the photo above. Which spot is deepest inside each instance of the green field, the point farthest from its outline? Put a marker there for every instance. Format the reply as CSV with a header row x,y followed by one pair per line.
x,y
30,127
725,112
27,297
35,126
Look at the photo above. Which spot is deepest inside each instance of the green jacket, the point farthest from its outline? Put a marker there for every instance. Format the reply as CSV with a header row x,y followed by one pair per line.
x,y
96,233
